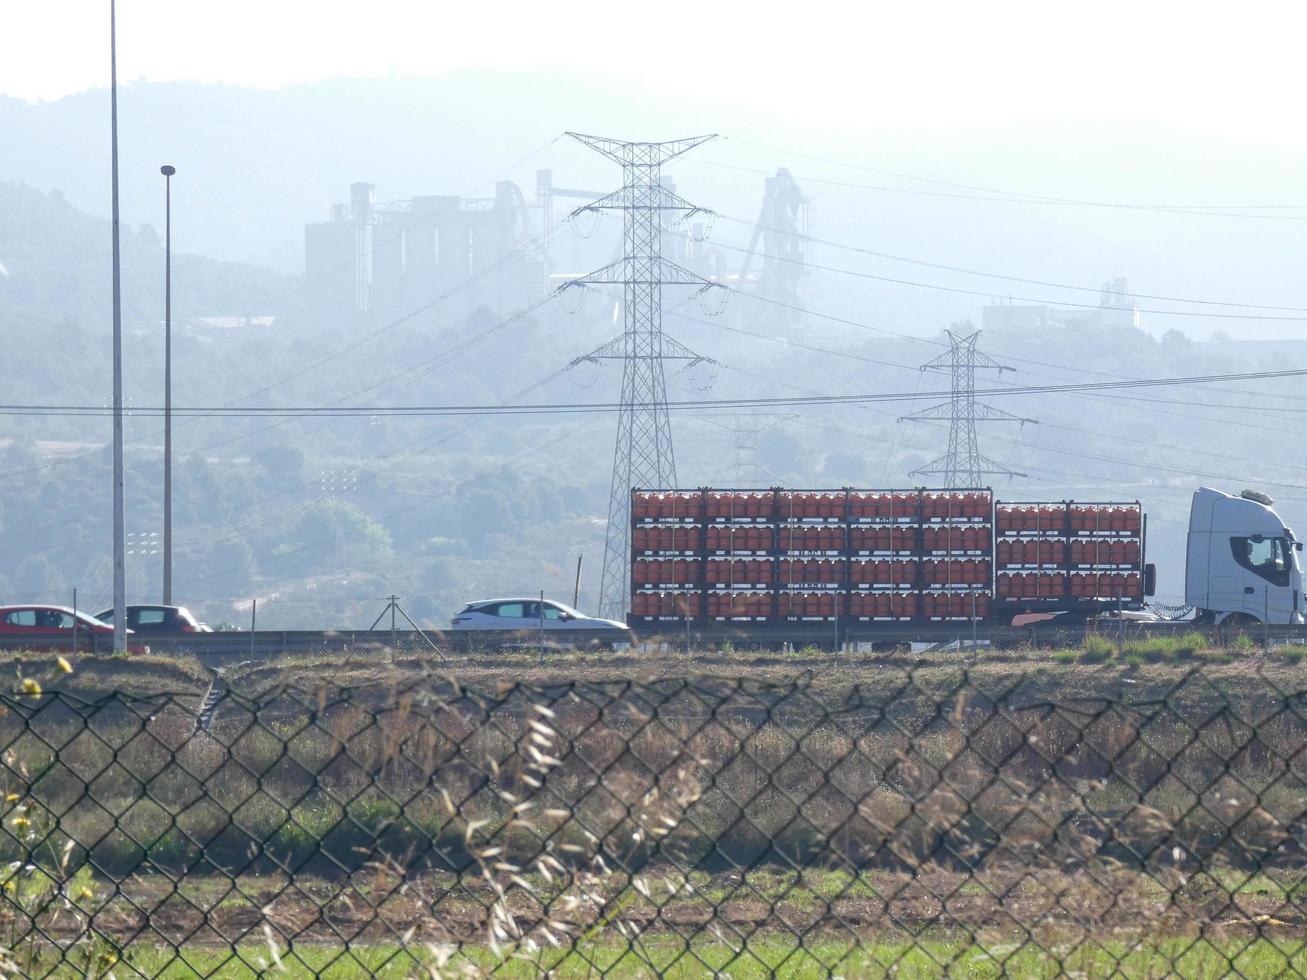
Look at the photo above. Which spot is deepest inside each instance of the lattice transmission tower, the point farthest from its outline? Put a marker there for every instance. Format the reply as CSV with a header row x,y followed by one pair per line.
x,y
643,456
746,469
964,465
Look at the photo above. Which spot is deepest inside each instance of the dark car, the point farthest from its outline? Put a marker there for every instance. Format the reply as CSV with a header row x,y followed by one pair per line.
x,y
158,620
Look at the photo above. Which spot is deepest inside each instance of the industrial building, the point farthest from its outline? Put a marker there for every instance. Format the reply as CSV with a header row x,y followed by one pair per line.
x,y
435,259
1116,308
371,263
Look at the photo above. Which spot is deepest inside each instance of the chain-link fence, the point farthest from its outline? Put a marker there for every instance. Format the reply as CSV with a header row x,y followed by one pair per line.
x,y
934,822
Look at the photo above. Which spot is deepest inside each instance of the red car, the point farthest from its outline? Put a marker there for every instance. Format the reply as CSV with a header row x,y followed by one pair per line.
x,y
53,621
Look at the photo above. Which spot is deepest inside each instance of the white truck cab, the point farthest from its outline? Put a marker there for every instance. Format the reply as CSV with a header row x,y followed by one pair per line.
x,y
1241,561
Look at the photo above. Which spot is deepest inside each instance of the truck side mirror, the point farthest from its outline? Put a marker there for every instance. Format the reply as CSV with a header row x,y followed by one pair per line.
x,y
1150,579
1297,545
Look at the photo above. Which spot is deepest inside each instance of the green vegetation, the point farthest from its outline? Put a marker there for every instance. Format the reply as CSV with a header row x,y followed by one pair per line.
x,y
761,955
1099,648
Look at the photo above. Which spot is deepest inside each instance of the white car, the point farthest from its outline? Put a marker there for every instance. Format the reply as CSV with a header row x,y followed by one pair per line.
x,y
533,614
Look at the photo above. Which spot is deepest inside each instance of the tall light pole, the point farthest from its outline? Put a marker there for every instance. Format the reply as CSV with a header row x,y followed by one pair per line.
x,y
167,172
119,505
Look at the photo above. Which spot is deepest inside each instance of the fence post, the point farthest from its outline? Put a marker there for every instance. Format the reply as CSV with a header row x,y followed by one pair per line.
x,y
1266,619
541,610
835,659
74,619
973,624
1120,628
254,621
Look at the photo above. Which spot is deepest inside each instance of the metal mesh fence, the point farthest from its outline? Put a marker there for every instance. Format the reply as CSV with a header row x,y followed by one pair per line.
x,y
936,822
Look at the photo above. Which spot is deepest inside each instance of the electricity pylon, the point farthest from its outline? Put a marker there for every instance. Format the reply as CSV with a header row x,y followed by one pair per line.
x,y
745,431
963,465
643,456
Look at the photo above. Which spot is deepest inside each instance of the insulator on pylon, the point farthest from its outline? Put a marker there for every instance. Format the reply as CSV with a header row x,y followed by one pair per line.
x,y
700,225
702,374
571,296
585,227
717,305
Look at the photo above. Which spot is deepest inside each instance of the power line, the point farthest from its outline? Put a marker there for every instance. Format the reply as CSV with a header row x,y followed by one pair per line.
x,y
1098,396
1143,399
873,253
686,404
438,360
403,318
858,324
938,287
1016,197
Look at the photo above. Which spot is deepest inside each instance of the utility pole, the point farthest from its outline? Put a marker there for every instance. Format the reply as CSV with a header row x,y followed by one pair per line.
x,y
963,465
167,172
643,455
119,500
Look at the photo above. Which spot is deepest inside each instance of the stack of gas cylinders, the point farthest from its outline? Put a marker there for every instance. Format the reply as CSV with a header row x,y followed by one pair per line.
x,y
1047,553
780,556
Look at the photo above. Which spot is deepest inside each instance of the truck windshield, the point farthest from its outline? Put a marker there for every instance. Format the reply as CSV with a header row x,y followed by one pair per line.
x,y
1267,558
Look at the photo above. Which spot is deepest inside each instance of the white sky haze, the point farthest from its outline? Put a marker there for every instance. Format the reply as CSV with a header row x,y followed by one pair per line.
x,y
1212,68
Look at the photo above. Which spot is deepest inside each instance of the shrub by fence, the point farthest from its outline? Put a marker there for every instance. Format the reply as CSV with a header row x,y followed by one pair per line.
x,y
938,823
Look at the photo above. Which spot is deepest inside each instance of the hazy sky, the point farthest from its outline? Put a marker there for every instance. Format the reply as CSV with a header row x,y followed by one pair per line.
x,y
1179,104
1209,68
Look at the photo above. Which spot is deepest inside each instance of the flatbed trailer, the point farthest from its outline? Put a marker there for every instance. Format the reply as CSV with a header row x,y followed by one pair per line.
x,y
837,565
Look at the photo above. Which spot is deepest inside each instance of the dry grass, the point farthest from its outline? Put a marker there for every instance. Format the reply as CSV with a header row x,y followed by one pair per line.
x,y
879,807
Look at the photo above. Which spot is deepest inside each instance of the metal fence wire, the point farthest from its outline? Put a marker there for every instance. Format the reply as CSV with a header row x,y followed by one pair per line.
x,y
932,823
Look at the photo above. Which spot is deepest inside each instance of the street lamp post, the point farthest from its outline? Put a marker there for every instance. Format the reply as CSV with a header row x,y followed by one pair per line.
x,y
167,172
119,508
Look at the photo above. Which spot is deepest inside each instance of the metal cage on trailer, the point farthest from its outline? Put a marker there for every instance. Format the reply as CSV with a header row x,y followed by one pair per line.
x,y
776,563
